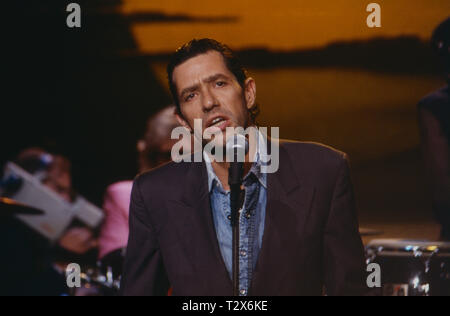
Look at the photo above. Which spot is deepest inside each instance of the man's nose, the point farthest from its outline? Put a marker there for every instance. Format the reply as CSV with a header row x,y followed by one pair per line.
x,y
209,101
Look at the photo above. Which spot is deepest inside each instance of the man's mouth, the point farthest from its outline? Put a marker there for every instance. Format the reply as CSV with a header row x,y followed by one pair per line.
x,y
218,121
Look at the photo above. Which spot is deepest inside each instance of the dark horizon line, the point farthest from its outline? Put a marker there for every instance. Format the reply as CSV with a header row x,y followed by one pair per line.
x,y
150,16
401,54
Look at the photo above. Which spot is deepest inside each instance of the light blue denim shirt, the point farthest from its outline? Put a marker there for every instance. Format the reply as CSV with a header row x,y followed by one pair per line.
x,y
252,218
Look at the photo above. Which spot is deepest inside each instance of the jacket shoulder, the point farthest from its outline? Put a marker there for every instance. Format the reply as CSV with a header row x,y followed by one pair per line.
x,y
435,98
316,163
162,177
313,152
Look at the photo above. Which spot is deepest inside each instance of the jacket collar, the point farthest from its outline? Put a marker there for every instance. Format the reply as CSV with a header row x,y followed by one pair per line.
x,y
255,169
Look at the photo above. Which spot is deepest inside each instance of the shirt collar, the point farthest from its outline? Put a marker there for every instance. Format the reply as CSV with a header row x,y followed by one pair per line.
x,y
261,149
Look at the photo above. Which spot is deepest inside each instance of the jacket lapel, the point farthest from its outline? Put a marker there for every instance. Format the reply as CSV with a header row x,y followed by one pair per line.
x,y
200,237
287,212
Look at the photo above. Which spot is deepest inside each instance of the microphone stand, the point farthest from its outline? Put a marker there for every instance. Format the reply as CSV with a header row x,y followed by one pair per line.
x,y
236,173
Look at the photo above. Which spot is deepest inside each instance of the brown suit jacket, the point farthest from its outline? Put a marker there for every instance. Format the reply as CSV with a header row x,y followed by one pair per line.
x,y
311,240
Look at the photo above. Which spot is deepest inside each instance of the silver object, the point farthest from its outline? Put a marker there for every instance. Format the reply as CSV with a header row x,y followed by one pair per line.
x,y
411,268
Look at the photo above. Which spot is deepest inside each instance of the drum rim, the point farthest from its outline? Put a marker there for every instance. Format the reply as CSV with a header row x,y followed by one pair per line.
x,y
409,246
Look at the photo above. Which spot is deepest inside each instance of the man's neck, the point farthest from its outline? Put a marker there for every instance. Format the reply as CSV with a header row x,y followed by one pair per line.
x,y
221,170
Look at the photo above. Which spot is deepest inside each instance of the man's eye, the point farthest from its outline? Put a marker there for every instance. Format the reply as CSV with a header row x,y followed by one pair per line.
x,y
189,97
221,83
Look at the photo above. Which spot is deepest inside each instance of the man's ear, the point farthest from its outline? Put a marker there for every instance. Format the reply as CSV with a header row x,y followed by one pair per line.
x,y
183,122
250,92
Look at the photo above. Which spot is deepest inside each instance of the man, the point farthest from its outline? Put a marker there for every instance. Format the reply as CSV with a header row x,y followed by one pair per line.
x,y
55,173
434,120
153,150
299,231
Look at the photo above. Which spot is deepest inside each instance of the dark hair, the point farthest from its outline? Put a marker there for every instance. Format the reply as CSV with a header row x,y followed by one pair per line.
x,y
441,42
198,47
35,160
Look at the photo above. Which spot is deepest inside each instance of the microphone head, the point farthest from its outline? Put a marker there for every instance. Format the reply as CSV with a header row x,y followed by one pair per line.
x,y
237,145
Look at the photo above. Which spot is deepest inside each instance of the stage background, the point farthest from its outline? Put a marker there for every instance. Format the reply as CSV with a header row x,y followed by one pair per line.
x,y
322,75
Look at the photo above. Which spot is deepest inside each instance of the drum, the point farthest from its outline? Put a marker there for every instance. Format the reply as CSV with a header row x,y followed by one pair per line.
x,y
412,268
105,278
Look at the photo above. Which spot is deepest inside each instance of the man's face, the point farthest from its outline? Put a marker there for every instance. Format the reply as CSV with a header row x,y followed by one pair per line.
x,y
207,90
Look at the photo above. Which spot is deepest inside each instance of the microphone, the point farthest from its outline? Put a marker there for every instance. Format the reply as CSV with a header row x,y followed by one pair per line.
x,y
237,144
237,148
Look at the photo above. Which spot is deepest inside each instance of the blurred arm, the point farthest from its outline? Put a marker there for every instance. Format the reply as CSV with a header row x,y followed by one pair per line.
x,y
115,229
435,149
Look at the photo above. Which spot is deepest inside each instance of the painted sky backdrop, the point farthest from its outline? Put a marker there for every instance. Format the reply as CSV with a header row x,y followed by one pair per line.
x,y
283,24
369,114
90,103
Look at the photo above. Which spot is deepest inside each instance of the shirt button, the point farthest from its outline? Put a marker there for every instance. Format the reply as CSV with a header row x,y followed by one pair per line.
x,y
248,215
243,292
229,217
243,253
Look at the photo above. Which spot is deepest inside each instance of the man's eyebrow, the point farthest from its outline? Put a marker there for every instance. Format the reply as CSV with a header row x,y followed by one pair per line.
x,y
189,89
215,77
207,80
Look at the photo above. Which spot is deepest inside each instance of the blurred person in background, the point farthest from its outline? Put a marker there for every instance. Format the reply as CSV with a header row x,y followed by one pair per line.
x,y
153,150
434,121
32,265
55,173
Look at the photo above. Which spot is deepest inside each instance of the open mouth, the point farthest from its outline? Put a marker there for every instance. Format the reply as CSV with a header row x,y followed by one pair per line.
x,y
219,122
